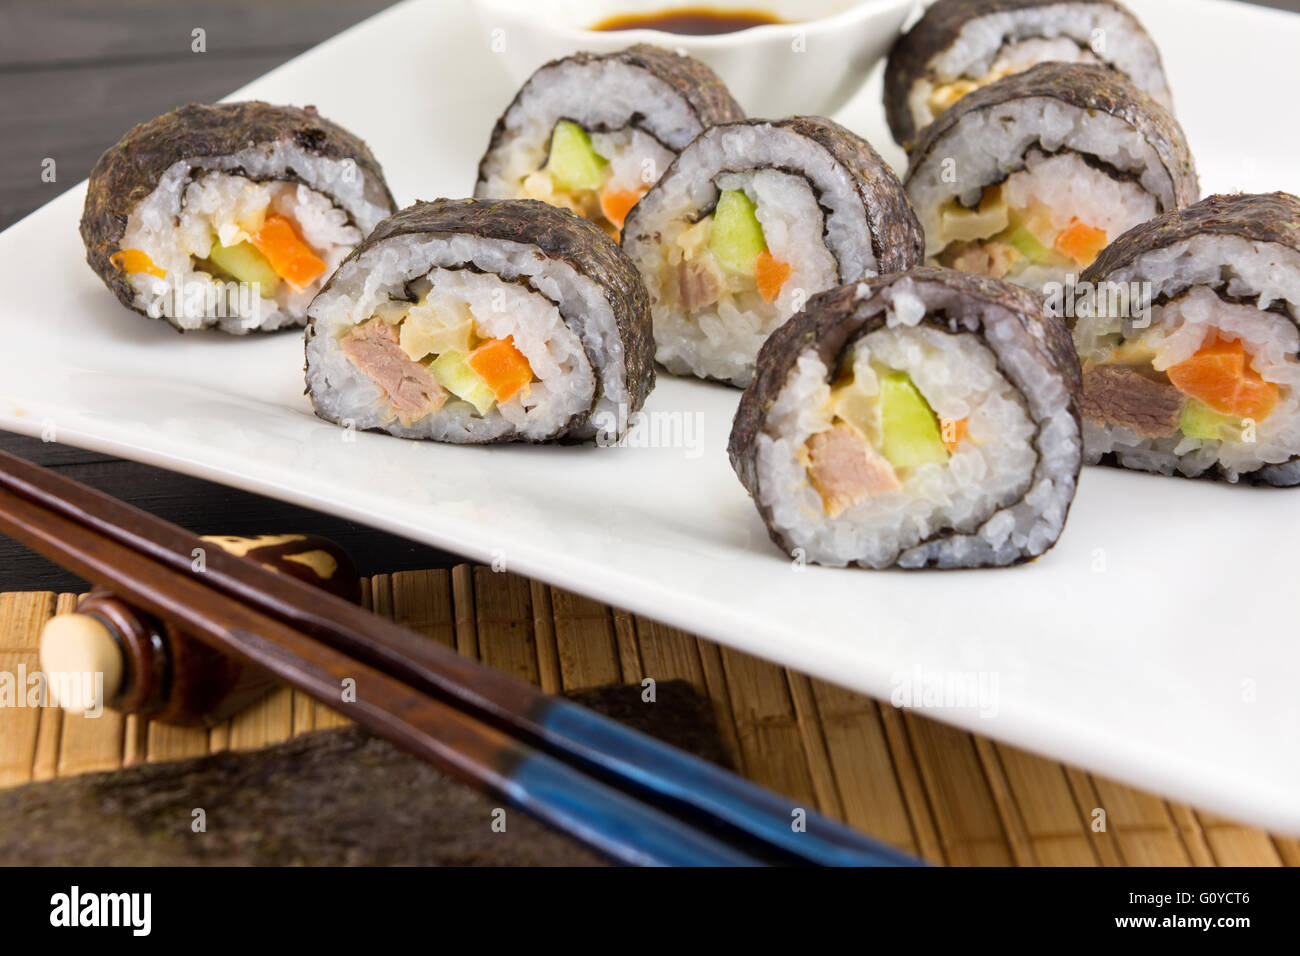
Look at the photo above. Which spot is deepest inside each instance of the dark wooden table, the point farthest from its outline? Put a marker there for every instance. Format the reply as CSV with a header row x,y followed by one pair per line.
x,y
75,75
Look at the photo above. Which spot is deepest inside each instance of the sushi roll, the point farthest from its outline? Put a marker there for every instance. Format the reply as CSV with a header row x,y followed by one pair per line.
x,y
1028,178
467,321
592,133
924,419
1189,343
750,221
231,216
959,46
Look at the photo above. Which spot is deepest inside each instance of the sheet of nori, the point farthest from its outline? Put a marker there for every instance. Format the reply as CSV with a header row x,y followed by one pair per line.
x,y
896,236
331,798
934,33
835,319
701,88
129,171
556,234
1084,87
1260,217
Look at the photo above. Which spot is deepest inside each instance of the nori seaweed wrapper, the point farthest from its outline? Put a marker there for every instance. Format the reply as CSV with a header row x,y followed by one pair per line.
x,y
1259,217
558,234
128,172
701,88
834,320
936,32
897,240
1087,88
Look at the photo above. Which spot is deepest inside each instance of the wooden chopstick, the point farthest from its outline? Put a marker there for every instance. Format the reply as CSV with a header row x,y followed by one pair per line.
x,y
604,818
680,785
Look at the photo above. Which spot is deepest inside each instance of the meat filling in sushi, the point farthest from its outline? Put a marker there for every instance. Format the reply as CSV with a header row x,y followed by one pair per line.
x,y
471,345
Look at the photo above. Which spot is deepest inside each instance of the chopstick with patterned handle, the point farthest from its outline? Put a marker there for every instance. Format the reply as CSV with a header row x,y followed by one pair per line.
x,y
680,787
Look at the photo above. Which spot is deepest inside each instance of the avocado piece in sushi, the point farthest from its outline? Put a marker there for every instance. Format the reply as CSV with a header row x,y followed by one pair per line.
x,y
573,163
735,236
454,374
910,434
286,194
245,264
1198,420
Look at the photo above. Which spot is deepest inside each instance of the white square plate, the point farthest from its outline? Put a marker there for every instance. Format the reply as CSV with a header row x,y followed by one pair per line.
x,y
1155,644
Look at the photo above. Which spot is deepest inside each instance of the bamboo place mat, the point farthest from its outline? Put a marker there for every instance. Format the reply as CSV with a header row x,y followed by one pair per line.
x,y
942,793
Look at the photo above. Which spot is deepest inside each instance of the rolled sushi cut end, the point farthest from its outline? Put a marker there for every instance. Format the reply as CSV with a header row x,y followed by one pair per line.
x,y
230,216
751,220
1202,379
462,321
924,419
960,46
592,134
1029,178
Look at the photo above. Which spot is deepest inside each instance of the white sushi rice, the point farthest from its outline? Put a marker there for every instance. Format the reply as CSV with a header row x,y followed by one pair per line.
x,y
996,44
814,221
1191,274
196,200
1002,496
561,321
603,97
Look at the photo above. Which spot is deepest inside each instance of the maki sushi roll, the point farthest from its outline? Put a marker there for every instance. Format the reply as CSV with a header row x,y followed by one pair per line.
x,y
468,321
592,133
752,219
959,46
231,216
1028,178
924,419
1190,347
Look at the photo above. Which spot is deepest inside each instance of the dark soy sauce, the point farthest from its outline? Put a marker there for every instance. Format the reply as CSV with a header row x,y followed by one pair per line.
x,y
695,21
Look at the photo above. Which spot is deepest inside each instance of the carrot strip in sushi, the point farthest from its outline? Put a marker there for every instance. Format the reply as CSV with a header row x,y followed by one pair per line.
x,y
134,260
290,257
770,274
617,203
1081,242
1219,376
503,368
